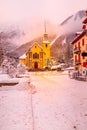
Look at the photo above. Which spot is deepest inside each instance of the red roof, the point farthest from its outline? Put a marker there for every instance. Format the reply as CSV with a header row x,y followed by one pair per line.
x,y
78,37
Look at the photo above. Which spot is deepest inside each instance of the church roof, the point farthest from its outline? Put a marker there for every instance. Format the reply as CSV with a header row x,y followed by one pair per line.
x,y
23,56
36,44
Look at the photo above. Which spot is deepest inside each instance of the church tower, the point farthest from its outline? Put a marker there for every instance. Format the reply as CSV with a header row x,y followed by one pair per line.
x,y
46,47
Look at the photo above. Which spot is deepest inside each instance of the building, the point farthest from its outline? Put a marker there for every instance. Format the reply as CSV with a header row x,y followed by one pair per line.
x,y
38,56
22,59
80,48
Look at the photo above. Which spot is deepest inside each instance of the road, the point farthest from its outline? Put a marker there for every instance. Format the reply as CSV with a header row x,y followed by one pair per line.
x,y
55,103
59,103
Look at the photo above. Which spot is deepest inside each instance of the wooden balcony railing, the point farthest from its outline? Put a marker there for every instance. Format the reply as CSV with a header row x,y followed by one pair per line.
x,y
77,50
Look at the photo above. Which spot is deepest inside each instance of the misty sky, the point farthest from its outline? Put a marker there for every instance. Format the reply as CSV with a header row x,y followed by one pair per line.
x,y
29,15
53,10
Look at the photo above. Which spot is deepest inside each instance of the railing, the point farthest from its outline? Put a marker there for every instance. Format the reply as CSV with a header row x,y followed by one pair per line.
x,y
77,62
77,49
84,53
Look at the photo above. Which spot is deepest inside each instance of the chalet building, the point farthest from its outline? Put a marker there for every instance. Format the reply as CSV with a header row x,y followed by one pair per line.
x,y
80,48
38,56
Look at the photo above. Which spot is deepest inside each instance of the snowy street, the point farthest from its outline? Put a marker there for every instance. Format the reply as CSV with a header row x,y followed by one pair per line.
x,y
59,103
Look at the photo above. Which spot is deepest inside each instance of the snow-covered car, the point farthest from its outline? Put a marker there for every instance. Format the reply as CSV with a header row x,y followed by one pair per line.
x,y
57,67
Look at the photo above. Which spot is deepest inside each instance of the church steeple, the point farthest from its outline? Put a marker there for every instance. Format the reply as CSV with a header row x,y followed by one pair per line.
x,y
46,46
45,26
45,37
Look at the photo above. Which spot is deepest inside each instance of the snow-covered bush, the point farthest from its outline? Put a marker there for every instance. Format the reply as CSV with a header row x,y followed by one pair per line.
x,y
8,67
21,69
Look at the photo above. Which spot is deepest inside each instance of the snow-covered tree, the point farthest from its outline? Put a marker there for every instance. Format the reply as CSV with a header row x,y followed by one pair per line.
x,y
8,67
21,68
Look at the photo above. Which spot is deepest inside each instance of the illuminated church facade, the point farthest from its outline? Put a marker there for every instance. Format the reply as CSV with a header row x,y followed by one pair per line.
x,y
38,56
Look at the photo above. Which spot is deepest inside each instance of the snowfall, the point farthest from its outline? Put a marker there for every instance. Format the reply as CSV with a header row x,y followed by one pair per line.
x,y
43,101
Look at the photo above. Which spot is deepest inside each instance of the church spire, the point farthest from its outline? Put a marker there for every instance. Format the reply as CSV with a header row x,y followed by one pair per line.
x,y
45,26
45,37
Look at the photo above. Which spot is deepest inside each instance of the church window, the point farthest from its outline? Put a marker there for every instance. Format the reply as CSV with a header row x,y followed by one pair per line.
x,y
35,56
41,54
46,45
30,55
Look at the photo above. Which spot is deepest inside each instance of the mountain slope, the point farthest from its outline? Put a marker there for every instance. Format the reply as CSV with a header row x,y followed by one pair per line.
x,y
25,47
73,23
61,48
58,48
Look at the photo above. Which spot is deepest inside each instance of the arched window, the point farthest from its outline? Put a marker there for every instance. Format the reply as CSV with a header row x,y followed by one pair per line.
x,y
35,56
46,45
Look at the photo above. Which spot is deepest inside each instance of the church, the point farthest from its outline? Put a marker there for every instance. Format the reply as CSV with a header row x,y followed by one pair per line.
x,y
38,56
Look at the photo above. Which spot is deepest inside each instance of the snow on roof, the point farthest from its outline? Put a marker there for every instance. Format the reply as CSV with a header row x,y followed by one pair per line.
x,y
44,41
23,56
34,44
78,37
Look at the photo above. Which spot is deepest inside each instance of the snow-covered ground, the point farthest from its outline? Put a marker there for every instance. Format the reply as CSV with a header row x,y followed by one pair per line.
x,y
15,106
59,103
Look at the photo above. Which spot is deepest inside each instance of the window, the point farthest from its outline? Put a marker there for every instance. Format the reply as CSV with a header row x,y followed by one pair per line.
x,y
83,57
30,55
79,57
75,46
79,45
35,56
75,58
86,47
82,42
46,45
41,54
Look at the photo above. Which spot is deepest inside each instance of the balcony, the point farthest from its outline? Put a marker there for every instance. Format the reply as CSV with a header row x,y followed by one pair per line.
x,y
84,53
77,50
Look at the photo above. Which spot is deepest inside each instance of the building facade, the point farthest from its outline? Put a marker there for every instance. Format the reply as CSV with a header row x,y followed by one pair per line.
x,y
80,48
38,56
